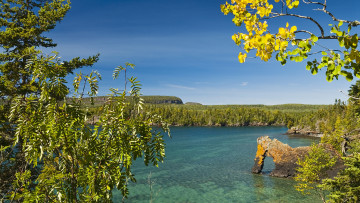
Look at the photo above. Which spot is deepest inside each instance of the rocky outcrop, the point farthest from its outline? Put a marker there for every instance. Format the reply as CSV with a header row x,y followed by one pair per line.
x,y
303,131
285,157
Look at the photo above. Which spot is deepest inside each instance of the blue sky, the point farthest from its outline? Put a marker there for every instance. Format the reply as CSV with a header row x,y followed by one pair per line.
x,y
184,48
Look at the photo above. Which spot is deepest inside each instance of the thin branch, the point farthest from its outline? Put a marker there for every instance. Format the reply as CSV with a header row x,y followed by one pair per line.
x,y
83,90
282,6
335,50
312,2
320,37
328,37
305,31
349,95
318,52
299,16
352,23
324,5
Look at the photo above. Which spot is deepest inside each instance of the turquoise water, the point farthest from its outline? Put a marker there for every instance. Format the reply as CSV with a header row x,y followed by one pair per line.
x,y
213,164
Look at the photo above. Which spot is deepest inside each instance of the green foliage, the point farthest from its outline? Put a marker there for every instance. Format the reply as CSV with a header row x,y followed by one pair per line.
x,y
312,169
80,162
22,26
340,62
346,186
218,115
231,115
354,93
340,125
322,120
48,151
100,100
192,103
354,145
335,137
289,124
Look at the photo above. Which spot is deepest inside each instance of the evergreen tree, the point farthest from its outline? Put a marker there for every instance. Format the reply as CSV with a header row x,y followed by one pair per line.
x,y
49,152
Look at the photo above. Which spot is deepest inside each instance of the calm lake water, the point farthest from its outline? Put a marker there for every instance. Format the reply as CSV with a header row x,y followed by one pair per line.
x,y
213,164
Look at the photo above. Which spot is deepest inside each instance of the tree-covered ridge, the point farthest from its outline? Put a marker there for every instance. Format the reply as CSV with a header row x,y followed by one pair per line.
x,y
296,107
151,99
234,115
220,115
279,107
162,100
313,120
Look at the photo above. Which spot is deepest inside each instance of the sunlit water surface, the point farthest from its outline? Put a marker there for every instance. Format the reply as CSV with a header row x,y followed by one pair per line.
x,y
213,164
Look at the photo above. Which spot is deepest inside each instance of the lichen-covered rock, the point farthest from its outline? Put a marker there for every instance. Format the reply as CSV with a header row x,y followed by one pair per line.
x,y
284,157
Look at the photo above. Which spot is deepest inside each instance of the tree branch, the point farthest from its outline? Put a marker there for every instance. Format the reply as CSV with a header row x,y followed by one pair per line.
x,y
329,37
352,23
305,31
312,2
299,16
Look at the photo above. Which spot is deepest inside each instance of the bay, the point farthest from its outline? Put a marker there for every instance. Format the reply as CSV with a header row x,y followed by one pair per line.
x,y
213,164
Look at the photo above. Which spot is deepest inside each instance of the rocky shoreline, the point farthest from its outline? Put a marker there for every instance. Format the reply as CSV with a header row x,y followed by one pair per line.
x,y
292,131
303,132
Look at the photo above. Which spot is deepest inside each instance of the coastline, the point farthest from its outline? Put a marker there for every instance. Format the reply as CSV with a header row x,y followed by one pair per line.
x,y
304,132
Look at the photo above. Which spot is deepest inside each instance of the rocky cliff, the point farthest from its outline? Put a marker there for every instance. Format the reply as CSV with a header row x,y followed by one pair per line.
x,y
285,157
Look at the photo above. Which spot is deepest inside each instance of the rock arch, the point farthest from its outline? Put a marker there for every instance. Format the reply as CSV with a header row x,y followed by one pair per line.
x,y
284,157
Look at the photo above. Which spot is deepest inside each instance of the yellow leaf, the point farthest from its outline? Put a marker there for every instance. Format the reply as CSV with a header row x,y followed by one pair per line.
x,y
283,45
282,31
261,11
295,4
293,29
242,57
234,37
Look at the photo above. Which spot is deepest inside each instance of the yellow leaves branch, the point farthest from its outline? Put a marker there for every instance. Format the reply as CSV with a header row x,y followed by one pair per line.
x,y
264,42
257,36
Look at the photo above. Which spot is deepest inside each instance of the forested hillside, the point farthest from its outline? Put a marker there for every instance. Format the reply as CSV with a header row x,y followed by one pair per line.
x,y
172,110
233,115
154,99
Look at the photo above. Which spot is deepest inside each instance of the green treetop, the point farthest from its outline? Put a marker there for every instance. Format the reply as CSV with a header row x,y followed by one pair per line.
x,y
48,151
23,25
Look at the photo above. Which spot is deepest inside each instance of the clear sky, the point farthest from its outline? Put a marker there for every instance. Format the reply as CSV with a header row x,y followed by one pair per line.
x,y
184,48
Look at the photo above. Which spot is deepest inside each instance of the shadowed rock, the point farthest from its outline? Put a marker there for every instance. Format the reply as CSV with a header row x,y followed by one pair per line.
x,y
285,157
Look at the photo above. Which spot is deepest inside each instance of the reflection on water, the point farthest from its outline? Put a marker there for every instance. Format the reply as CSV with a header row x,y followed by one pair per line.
x,y
213,164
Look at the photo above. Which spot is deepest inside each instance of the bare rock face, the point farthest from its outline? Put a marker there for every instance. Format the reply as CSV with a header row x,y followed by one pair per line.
x,y
284,157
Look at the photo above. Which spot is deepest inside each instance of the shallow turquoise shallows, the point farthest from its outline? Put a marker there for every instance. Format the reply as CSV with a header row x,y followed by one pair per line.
x,y
213,164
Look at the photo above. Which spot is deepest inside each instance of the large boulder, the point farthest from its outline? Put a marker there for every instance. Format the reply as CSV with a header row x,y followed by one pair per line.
x,y
285,157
